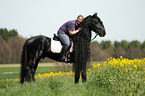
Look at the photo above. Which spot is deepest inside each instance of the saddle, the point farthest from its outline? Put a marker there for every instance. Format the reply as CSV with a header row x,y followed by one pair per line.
x,y
56,38
56,46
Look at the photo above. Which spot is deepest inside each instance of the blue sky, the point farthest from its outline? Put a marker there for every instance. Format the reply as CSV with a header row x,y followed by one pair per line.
x,y
123,19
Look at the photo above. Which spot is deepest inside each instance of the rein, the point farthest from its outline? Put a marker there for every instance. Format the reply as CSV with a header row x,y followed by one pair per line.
x,y
94,37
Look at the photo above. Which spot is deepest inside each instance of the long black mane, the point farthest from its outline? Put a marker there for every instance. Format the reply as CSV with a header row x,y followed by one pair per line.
x,y
81,53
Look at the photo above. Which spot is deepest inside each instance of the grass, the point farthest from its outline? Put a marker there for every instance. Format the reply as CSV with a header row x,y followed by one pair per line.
x,y
114,77
53,86
12,71
123,76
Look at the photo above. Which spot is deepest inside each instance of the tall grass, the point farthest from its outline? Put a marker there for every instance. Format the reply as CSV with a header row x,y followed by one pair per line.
x,y
123,76
53,84
114,77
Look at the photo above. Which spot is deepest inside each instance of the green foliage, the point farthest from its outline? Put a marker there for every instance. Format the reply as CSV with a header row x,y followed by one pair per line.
x,y
5,34
125,44
106,49
125,77
117,44
53,86
106,44
8,72
135,43
143,46
127,80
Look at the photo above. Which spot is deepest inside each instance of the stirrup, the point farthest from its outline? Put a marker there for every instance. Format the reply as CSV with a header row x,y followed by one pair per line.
x,y
63,59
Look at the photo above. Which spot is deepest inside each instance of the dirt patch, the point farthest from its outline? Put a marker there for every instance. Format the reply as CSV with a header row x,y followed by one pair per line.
x,y
40,64
9,72
10,65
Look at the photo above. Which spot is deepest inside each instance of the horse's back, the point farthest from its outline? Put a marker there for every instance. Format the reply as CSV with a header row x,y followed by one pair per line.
x,y
38,43
37,40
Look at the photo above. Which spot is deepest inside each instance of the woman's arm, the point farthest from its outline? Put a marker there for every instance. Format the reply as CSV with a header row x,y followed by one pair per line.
x,y
74,31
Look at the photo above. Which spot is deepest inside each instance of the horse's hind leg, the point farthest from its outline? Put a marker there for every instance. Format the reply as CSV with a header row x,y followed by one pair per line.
x,y
34,69
30,71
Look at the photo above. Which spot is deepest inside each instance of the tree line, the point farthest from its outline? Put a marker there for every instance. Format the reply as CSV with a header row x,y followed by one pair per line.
x,y
106,49
11,45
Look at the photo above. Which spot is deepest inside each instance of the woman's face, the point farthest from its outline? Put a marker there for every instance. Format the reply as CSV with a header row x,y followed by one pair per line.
x,y
79,20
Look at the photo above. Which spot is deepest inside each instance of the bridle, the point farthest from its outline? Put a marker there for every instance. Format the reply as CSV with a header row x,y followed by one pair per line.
x,y
95,32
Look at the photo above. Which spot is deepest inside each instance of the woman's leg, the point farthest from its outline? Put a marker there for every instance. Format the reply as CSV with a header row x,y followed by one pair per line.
x,y
64,38
66,42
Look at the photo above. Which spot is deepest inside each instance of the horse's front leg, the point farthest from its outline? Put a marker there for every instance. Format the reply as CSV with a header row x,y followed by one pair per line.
x,y
77,73
84,75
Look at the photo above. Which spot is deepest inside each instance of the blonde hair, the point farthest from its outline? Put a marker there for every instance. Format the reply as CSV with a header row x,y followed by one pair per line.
x,y
81,16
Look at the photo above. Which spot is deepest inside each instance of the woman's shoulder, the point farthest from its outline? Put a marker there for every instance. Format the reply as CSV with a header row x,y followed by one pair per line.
x,y
70,23
73,21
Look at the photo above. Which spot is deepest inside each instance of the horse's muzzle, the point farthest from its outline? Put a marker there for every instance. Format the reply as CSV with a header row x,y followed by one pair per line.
x,y
102,33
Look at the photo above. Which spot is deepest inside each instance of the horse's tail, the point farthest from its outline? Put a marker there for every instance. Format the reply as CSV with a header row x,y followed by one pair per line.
x,y
24,61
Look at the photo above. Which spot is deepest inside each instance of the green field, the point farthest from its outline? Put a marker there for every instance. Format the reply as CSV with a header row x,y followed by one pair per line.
x,y
113,77
52,86
12,71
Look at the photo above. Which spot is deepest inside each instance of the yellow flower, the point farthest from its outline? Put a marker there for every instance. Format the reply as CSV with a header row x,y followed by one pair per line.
x,y
121,65
135,67
98,65
121,57
139,72
89,69
125,70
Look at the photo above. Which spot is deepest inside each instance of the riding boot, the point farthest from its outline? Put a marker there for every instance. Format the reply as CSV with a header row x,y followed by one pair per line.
x,y
63,53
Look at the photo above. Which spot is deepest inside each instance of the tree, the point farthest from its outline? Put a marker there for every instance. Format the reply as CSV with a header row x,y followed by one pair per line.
x,y
5,34
119,51
16,45
106,44
135,43
134,52
117,44
13,33
143,46
125,44
5,52
97,54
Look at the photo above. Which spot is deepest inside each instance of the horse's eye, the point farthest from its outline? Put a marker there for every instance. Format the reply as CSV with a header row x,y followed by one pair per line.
x,y
95,21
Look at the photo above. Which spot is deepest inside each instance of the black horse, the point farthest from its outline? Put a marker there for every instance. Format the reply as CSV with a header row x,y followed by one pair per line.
x,y
39,47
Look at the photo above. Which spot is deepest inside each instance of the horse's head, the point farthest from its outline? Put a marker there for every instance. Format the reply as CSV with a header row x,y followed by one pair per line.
x,y
97,25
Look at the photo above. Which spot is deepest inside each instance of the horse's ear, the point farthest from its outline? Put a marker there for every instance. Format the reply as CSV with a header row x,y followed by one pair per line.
x,y
95,15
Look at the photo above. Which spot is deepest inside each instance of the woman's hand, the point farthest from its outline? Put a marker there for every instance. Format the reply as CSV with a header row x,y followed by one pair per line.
x,y
74,31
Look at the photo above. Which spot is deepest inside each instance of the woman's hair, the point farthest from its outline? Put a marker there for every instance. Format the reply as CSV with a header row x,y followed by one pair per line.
x,y
80,16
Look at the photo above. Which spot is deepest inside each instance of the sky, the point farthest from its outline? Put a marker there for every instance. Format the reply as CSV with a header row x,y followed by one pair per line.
x,y
123,19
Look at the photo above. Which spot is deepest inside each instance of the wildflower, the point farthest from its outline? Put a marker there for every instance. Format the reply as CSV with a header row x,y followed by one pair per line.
x,y
135,67
121,65
139,72
89,69
121,57
125,70
98,65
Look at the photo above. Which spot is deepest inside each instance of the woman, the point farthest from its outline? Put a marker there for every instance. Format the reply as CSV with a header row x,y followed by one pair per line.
x,y
65,31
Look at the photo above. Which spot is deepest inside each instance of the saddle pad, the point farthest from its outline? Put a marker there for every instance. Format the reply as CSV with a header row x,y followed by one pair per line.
x,y
56,46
